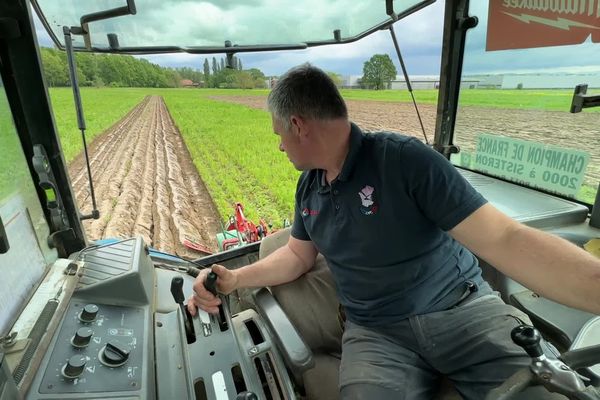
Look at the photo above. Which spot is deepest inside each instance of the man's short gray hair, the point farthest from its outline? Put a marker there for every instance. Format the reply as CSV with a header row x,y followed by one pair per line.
x,y
308,92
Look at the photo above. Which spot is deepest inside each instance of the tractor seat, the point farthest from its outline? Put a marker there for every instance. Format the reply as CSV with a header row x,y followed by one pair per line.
x,y
311,305
588,336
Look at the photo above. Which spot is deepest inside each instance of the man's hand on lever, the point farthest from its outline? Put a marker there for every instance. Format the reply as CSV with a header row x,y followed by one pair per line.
x,y
202,298
283,265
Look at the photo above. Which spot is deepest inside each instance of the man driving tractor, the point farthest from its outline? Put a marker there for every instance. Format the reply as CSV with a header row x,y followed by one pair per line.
x,y
419,309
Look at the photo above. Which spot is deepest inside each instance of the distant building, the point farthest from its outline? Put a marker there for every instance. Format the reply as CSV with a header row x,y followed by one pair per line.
x,y
351,82
271,82
536,81
490,81
188,83
417,82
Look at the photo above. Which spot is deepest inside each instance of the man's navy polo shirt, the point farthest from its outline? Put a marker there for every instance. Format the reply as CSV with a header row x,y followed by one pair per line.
x,y
382,227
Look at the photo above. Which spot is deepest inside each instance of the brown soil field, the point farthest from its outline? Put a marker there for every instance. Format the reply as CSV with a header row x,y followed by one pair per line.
x,y
370,115
577,131
146,184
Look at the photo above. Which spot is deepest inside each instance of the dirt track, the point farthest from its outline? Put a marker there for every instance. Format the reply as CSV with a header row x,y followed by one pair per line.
x,y
146,184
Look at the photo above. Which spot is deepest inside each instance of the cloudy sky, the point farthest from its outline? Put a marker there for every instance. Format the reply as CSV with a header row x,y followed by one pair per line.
x,y
419,36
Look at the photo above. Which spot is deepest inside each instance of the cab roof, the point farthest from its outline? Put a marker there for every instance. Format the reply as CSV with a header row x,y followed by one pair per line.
x,y
216,26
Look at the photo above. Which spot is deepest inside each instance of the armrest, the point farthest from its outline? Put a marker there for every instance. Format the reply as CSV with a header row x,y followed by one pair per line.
x,y
295,352
558,323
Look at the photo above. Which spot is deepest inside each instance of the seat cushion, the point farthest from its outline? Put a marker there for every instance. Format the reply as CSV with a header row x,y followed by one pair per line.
x,y
310,301
321,382
273,241
311,305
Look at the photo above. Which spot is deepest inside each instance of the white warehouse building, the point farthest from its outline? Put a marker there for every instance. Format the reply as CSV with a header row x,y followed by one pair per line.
x,y
495,81
537,81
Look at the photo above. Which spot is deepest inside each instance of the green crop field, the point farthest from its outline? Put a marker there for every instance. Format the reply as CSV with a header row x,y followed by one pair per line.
x,y
550,100
236,153
13,167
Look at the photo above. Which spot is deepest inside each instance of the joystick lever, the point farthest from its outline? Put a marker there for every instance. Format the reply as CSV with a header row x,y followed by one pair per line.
x,y
529,339
553,373
210,284
177,292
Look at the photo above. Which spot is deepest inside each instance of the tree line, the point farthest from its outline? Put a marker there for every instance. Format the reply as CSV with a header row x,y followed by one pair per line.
x,y
127,71
217,74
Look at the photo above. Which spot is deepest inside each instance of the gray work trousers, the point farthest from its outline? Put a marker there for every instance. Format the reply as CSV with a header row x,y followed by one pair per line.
x,y
470,344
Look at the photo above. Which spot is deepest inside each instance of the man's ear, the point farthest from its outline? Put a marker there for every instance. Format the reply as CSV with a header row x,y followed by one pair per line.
x,y
299,125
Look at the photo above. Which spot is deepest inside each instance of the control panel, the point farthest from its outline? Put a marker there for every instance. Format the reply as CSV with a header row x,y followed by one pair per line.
x,y
98,346
125,333
104,344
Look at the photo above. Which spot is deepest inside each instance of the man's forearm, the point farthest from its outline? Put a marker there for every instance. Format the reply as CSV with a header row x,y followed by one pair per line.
x,y
281,266
551,266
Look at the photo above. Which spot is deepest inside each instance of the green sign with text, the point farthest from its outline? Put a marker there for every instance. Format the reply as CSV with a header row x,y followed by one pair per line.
x,y
552,168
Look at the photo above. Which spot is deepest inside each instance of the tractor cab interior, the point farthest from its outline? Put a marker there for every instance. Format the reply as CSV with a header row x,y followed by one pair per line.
x,y
81,320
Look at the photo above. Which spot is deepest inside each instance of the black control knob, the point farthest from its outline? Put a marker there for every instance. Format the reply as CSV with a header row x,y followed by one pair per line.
x,y
89,313
115,353
177,292
82,337
74,367
210,283
528,338
177,289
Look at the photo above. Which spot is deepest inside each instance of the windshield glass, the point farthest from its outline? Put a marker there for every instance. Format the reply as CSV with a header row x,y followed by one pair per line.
x,y
195,23
521,66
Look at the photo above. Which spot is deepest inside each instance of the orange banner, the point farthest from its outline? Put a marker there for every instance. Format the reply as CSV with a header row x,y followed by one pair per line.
x,y
522,24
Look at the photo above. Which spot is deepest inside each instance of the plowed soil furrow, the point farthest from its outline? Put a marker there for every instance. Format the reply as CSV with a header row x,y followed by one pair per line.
x,y
125,211
163,236
144,224
109,185
146,184
181,182
101,152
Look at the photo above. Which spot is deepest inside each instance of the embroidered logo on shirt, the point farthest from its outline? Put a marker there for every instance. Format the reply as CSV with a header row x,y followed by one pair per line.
x,y
306,212
367,199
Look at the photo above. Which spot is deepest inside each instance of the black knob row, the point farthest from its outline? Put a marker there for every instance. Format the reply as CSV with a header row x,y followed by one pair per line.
x,y
89,313
74,367
114,354
82,337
